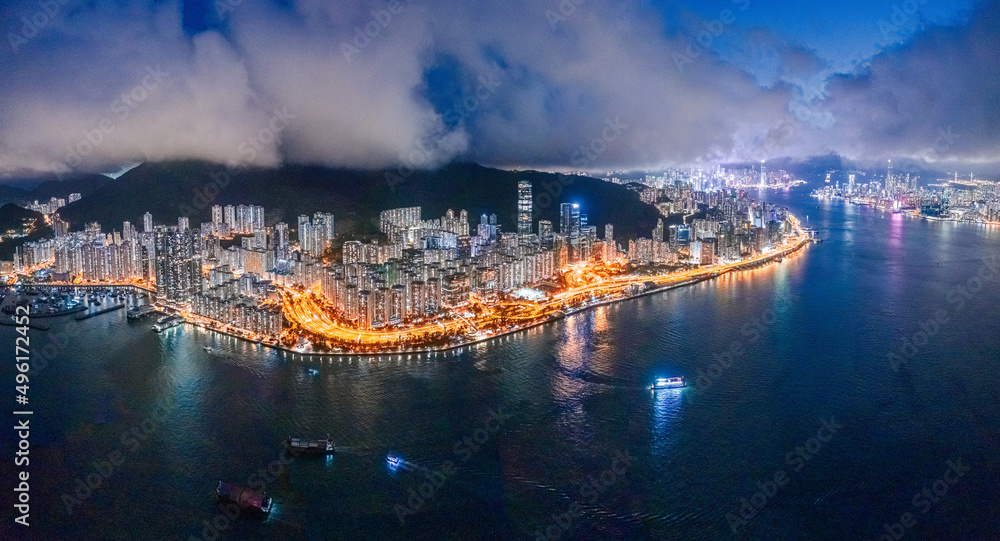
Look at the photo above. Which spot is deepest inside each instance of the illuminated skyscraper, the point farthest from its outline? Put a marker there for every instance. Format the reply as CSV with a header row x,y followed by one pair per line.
x,y
569,226
545,233
524,212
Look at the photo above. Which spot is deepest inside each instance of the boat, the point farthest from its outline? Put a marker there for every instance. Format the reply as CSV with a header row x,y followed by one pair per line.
x,y
140,312
208,349
167,322
244,497
310,447
668,383
313,372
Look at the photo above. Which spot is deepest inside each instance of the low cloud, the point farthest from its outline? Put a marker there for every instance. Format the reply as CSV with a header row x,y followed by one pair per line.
x,y
373,84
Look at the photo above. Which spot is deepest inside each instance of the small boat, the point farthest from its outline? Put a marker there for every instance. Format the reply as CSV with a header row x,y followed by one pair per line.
x,y
311,447
208,348
313,372
244,497
668,383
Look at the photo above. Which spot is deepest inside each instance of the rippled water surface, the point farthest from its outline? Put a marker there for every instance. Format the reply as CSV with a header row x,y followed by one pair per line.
x,y
577,446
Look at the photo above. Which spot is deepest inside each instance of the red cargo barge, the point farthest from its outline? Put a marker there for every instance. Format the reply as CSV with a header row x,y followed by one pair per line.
x,y
244,497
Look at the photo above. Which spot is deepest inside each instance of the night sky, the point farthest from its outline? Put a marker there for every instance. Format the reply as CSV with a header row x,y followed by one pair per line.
x,y
94,85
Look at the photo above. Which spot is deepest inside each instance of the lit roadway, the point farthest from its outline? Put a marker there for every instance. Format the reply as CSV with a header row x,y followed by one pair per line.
x,y
310,312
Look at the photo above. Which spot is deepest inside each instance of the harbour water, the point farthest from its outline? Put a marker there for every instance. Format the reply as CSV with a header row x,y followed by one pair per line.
x,y
796,413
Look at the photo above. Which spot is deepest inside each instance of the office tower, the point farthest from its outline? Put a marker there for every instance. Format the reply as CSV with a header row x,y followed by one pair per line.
x,y
763,174
147,223
545,233
524,212
574,235
182,223
609,233
565,219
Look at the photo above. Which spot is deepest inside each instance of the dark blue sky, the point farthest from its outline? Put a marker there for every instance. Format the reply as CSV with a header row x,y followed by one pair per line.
x,y
515,83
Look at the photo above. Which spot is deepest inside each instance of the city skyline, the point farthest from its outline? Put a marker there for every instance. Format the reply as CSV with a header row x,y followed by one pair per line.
x,y
419,269
510,271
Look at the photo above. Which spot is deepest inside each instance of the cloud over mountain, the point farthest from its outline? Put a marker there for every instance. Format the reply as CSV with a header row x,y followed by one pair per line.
x,y
89,86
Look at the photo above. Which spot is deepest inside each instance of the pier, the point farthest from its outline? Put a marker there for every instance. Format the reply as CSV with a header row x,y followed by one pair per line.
x,y
10,323
99,312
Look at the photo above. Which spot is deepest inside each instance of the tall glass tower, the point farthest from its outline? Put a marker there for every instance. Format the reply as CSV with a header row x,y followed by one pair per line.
x,y
524,212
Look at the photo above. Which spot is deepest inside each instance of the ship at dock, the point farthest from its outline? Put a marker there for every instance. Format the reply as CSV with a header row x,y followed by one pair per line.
x,y
167,322
140,312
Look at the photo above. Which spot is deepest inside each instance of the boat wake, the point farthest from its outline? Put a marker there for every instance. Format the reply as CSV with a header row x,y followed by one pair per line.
x,y
600,379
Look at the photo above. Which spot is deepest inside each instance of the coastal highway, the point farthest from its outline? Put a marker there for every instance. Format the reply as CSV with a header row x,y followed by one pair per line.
x,y
309,311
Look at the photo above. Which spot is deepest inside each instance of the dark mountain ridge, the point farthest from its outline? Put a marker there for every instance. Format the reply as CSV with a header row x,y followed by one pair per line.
x,y
190,188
